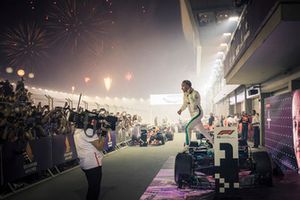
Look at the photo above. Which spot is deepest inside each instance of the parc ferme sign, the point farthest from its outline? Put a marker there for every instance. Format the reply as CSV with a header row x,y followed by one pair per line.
x,y
166,99
226,160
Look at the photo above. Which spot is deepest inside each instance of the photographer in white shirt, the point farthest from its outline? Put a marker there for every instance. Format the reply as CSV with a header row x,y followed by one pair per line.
x,y
89,145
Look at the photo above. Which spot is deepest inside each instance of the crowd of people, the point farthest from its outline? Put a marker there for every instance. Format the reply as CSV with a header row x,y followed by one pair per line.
x,y
21,119
243,122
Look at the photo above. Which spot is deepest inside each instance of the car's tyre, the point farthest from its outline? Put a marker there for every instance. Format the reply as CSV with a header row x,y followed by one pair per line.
x,y
183,167
263,167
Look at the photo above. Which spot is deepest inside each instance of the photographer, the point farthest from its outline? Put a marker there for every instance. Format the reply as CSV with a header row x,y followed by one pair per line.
x,y
89,145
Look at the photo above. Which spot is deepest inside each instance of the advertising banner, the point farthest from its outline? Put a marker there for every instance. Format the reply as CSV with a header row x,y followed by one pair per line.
x,y
279,139
296,126
63,149
18,160
42,152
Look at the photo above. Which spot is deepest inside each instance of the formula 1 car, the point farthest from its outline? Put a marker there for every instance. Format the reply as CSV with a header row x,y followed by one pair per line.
x,y
152,136
158,138
196,163
168,132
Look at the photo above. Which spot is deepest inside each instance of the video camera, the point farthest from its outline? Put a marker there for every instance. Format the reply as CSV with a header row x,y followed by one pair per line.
x,y
85,119
98,121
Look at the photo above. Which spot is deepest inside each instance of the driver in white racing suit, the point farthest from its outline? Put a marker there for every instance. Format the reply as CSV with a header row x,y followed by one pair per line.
x,y
191,99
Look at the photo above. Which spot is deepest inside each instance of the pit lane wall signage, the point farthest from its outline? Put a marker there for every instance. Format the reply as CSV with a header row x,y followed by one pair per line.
x,y
226,160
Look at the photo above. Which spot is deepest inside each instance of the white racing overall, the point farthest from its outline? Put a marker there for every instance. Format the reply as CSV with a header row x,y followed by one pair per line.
x,y
191,99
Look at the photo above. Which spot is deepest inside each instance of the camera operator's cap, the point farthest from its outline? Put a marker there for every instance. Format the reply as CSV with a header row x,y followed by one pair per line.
x,y
89,132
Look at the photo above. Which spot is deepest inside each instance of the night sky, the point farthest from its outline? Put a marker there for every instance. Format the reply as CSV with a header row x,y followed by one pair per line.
x,y
71,40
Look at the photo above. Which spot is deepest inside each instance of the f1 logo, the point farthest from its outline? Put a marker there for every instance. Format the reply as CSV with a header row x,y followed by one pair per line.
x,y
226,132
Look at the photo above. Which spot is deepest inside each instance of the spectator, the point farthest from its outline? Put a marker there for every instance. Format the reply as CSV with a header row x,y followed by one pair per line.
x,y
211,120
245,121
222,120
7,89
255,125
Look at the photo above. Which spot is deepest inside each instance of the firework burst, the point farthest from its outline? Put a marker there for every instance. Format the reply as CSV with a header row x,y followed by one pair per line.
x,y
25,45
78,23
